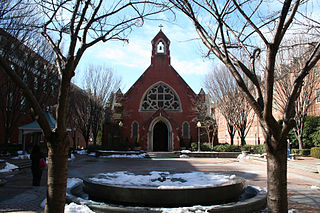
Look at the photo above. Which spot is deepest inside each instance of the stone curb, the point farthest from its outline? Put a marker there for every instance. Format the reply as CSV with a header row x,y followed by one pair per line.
x,y
253,204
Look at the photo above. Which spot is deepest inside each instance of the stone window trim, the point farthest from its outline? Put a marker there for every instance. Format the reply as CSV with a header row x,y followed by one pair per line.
x,y
317,96
185,132
169,99
133,133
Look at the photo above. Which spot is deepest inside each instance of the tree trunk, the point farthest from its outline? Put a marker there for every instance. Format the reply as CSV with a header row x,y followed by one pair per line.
x,y
277,177
231,138
300,141
243,140
58,149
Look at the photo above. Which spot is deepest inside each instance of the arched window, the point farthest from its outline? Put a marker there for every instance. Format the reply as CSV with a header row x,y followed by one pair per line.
x,y
185,130
135,129
160,48
160,96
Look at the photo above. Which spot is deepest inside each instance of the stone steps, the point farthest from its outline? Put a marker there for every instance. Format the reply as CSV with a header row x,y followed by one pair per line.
x,y
163,155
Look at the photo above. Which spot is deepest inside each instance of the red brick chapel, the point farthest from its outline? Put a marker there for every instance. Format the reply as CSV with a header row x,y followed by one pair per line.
x,y
160,111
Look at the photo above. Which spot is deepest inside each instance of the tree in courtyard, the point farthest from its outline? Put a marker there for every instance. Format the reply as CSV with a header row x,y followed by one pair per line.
x,y
222,89
233,29
71,27
245,116
286,73
100,83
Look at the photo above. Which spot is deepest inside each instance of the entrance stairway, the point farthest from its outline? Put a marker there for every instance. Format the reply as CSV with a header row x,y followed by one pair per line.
x,y
163,155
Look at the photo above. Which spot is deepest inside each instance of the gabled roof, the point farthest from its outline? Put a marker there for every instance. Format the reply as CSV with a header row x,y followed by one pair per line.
x,y
35,127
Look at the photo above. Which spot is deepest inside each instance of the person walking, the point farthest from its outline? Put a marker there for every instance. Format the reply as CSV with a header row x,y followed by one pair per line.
x,y
38,164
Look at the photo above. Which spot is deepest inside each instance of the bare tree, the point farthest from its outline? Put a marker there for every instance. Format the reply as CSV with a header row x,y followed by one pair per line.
x,y
286,72
210,127
99,83
229,27
222,88
78,112
71,27
244,116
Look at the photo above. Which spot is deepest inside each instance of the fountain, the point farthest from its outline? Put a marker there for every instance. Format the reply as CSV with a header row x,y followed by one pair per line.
x,y
162,189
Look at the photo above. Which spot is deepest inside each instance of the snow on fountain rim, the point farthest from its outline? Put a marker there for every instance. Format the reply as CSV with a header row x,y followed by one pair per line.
x,y
155,179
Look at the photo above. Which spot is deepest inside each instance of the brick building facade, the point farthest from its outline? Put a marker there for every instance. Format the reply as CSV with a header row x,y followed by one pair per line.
x,y
160,111
17,122
255,133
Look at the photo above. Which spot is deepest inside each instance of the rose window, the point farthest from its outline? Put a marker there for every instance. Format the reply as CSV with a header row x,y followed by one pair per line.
x,y
160,97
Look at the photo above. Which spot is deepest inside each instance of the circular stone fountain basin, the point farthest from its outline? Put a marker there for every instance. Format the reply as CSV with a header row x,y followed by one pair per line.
x,y
164,196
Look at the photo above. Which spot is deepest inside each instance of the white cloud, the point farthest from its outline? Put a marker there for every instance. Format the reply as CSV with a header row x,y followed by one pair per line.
x,y
192,67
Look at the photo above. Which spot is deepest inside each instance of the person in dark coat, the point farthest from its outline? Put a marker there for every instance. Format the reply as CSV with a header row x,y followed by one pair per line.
x,y
35,156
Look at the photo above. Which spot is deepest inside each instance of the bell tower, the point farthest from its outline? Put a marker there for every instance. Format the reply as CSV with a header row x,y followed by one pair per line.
x,y
160,49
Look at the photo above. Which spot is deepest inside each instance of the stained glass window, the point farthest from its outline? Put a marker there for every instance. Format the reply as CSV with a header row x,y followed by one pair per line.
x,y
160,96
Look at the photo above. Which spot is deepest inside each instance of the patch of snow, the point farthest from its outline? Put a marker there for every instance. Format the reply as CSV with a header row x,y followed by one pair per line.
x,y
72,157
162,179
185,151
243,156
22,156
184,156
113,151
142,155
92,154
8,168
315,187
293,211
71,182
73,207
81,152
43,203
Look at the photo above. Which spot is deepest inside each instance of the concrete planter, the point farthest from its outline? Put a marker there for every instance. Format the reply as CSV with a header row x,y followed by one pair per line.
x,y
165,197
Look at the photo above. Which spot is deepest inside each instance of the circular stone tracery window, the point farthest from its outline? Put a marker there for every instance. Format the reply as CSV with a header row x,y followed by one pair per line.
x,y
160,97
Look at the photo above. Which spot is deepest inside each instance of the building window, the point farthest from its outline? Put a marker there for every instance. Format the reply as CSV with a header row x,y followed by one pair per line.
x,y
318,96
316,70
160,48
135,129
23,104
9,101
185,130
160,96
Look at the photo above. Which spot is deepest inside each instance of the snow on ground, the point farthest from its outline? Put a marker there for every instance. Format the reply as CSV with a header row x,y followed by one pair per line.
x,y
142,155
163,179
81,152
8,168
72,157
73,207
22,156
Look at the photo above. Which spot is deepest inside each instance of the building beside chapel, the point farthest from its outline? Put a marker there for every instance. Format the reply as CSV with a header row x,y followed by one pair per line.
x,y
160,111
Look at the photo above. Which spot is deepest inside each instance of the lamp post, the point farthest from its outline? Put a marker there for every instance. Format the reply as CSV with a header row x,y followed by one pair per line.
x,y
120,125
199,126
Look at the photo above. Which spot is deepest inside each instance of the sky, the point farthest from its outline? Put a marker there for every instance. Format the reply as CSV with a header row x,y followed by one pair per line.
x,y
130,60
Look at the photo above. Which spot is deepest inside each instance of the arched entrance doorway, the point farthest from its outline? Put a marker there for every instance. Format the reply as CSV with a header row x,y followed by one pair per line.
x,y
160,137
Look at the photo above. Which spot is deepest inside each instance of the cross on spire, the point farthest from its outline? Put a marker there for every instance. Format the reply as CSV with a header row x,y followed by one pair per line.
x,y
161,26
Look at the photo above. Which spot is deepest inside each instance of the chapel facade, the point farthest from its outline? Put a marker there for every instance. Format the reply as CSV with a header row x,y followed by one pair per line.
x,y
160,111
